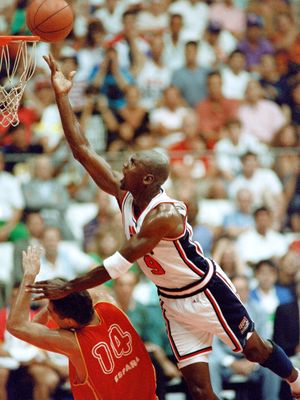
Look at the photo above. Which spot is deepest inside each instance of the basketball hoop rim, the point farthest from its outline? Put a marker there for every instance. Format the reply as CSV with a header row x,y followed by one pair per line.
x,y
17,38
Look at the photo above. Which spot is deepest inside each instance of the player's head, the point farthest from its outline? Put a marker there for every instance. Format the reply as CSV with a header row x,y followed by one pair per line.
x,y
145,169
73,311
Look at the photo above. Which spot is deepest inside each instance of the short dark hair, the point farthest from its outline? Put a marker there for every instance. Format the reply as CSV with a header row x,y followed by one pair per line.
x,y
129,13
261,209
214,72
175,15
248,154
234,52
268,262
77,305
191,43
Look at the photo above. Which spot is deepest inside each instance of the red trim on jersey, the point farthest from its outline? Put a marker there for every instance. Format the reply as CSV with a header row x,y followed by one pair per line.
x,y
132,230
227,282
141,212
121,200
196,244
226,327
188,262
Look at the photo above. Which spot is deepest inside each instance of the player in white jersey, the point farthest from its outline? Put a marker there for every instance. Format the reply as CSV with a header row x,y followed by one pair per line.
x,y
197,299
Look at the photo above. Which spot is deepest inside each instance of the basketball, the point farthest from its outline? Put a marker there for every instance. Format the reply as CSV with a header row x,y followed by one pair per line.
x,y
51,20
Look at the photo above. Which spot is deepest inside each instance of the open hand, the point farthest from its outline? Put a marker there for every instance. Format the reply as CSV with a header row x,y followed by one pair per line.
x,y
31,260
50,289
60,83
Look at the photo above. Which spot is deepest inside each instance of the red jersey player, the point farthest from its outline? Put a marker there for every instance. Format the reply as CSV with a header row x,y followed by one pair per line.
x,y
107,358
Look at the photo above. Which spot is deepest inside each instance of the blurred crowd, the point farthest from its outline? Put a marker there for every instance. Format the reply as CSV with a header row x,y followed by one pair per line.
x,y
213,84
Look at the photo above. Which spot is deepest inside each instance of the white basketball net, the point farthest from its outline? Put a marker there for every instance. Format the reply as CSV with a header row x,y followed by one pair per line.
x,y
15,75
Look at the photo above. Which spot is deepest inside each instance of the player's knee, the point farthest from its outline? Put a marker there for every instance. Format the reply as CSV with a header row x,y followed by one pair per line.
x,y
201,392
4,373
52,380
45,376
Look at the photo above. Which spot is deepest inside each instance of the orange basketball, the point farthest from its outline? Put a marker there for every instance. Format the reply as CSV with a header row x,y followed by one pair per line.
x,y
51,20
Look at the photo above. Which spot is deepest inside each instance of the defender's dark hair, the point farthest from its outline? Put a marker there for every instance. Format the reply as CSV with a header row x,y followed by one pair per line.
x,y
78,306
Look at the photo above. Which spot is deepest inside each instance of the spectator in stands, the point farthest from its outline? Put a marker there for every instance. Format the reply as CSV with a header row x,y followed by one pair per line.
x,y
202,233
35,226
254,45
216,45
288,267
105,240
59,259
110,14
287,334
174,42
232,18
153,20
226,255
112,80
188,151
46,194
106,212
274,84
152,75
129,42
284,38
292,195
263,183
191,78
295,103
226,364
132,119
260,117
234,144
241,219
235,78
262,242
18,23
98,122
19,150
166,121
48,131
195,16
285,143
11,206
215,110
91,54
69,62
267,293
286,324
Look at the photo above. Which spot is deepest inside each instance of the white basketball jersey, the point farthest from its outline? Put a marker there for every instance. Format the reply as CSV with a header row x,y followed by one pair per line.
x,y
175,264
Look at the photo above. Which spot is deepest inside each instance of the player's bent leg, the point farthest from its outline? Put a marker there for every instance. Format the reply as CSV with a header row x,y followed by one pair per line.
x,y
198,381
45,381
269,355
4,373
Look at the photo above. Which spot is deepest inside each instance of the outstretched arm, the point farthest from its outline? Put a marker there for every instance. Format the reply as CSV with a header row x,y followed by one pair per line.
x,y
107,179
19,324
164,221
